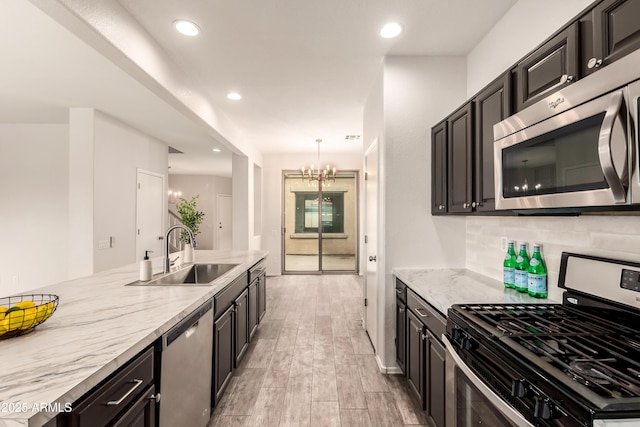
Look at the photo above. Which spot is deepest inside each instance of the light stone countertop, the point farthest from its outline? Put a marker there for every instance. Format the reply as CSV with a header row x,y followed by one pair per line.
x,y
444,287
98,326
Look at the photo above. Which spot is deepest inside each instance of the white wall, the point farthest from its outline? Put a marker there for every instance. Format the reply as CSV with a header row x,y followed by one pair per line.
x,y
418,92
119,151
527,24
207,188
33,213
272,169
524,27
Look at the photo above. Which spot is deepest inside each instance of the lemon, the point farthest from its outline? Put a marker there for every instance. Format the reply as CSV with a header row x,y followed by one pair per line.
x,y
29,318
3,311
41,313
25,304
50,307
13,320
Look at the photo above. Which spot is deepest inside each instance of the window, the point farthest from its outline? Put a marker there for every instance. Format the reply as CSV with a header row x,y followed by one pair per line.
x,y
332,215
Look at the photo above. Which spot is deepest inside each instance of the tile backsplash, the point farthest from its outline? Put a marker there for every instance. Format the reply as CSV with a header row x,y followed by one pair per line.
x,y
603,235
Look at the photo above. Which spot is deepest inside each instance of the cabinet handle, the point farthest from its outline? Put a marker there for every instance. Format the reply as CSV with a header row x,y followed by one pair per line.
x,y
441,207
594,63
127,394
566,79
401,310
399,291
155,397
418,311
424,337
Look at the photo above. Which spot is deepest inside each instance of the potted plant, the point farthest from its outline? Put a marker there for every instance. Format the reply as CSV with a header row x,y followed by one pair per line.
x,y
192,218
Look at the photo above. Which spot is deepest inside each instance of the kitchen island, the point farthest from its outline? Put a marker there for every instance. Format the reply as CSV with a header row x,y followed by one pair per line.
x,y
99,325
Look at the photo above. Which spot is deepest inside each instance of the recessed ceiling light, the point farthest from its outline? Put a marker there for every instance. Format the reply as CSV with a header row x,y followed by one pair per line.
x,y
187,28
390,30
234,96
216,150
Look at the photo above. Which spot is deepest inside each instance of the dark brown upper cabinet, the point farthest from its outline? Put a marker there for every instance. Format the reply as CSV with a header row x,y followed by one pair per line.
x,y
439,168
460,160
609,32
549,68
492,105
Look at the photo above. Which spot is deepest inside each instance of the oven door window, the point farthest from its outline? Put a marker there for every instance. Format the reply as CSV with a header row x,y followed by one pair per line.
x,y
473,408
561,161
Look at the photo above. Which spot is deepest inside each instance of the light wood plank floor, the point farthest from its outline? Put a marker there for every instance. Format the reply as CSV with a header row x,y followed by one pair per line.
x,y
312,364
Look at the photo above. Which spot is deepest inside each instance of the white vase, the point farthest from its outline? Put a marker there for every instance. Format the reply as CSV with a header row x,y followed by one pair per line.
x,y
187,253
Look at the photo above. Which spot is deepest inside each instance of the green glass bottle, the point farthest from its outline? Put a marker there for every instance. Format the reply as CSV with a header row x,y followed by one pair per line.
x,y
537,276
509,266
522,269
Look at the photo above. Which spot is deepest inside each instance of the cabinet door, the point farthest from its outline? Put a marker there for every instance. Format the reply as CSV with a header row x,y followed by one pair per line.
x,y
492,105
401,328
415,358
142,413
262,296
241,326
435,381
460,152
223,354
549,68
616,31
439,168
253,308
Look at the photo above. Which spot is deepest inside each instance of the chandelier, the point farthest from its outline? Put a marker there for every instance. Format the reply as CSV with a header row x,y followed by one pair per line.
x,y
318,175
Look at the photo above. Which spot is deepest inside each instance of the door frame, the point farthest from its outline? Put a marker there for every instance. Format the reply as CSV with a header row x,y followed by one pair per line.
x,y
356,271
372,309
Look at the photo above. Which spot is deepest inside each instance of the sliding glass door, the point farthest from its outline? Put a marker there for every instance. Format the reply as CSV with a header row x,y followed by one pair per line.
x,y
320,224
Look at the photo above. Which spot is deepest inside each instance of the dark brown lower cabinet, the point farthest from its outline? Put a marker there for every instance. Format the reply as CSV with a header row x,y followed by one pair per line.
x,y
435,381
223,354
415,362
401,334
425,357
262,296
142,413
241,326
253,308
125,399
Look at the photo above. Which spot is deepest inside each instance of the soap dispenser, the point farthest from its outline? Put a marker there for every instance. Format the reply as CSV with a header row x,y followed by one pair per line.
x,y
145,267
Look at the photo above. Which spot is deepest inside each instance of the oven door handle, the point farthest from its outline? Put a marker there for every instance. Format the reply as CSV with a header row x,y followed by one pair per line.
x,y
511,414
605,151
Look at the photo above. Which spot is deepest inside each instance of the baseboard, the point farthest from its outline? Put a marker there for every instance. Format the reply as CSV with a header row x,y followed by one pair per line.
x,y
390,370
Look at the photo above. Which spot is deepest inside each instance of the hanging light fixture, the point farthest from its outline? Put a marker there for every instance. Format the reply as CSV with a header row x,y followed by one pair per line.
x,y
318,175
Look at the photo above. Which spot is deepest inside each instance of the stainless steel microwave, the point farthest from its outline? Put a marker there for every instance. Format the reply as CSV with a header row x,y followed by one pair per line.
x,y
577,148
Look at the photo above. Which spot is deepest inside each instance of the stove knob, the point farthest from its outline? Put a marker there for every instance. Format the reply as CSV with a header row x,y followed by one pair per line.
x,y
468,343
543,409
518,388
456,334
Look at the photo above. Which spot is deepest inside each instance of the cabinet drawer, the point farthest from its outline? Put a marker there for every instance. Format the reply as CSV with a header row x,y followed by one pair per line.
x,y
428,315
225,298
401,290
110,399
257,270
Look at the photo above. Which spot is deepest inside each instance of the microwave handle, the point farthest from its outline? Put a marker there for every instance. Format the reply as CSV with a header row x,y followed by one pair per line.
x,y
605,152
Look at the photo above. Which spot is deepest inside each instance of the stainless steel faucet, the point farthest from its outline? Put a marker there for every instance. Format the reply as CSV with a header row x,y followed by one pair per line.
x,y
166,262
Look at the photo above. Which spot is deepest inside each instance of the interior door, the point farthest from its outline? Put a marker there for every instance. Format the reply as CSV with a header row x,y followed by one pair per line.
x,y
224,222
150,211
371,234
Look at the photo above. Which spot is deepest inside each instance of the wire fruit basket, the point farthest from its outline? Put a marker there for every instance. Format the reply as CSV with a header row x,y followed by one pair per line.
x,y
21,313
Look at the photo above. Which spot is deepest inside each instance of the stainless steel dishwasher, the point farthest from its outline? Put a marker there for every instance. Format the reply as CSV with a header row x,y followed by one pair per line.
x,y
185,376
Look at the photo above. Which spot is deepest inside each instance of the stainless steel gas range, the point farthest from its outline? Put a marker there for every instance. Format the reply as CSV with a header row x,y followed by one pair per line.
x,y
570,364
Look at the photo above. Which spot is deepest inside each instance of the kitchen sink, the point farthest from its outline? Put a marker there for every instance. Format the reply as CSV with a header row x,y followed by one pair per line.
x,y
194,275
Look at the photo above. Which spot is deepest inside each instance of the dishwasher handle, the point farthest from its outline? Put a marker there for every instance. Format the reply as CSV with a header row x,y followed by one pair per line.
x,y
187,326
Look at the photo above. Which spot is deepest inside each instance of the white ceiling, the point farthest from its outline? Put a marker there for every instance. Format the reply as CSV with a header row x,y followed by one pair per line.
x,y
303,67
